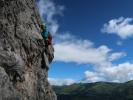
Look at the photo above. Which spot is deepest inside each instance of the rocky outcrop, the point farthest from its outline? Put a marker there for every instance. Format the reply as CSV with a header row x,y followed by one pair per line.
x,y
24,57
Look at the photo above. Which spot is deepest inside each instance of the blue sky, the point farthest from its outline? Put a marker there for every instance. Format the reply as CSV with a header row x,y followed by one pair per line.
x,y
92,40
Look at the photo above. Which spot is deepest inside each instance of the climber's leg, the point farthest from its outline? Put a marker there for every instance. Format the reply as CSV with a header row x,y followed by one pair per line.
x,y
45,61
50,53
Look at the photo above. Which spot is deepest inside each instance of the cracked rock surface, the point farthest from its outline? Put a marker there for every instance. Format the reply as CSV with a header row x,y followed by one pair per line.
x,y
23,57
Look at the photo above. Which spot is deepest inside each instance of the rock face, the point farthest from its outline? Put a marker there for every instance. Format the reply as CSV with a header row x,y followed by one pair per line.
x,y
24,57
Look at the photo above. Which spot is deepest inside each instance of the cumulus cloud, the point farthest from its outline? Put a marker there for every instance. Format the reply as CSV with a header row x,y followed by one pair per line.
x,y
60,82
71,49
92,77
116,56
121,72
115,73
80,51
122,27
48,11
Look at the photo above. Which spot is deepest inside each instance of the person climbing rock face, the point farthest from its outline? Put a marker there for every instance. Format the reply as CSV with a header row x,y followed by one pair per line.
x,y
48,53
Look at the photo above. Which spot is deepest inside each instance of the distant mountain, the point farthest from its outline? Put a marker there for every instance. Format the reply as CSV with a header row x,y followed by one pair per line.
x,y
95,91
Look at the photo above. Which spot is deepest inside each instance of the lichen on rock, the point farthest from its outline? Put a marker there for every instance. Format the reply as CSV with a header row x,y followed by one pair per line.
x,y
24,57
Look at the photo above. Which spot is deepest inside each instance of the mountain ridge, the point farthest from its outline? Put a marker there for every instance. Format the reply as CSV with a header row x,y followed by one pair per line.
x,y
96,91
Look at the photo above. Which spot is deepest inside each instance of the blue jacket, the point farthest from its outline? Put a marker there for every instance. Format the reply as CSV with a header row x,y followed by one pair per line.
x,y
45,34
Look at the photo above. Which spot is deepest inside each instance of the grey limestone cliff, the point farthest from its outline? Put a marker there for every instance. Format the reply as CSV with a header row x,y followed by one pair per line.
x,y
24,57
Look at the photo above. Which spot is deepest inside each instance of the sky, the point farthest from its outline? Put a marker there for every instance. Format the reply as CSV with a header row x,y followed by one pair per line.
x,y
92,40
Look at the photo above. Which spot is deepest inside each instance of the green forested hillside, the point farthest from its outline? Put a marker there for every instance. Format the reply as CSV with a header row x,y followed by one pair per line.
x,y
96,91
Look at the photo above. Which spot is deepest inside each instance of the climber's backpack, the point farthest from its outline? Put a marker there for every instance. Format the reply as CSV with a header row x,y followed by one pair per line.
x,y
49,39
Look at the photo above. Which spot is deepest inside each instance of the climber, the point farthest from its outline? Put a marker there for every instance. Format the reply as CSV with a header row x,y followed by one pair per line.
x,y
48,41
48,53
46,35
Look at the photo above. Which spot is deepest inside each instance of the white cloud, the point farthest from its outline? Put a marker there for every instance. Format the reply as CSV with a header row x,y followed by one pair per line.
x,y
116,56
60,82
122,27
115,73
80,51
48,11
71,49
92,77
121,72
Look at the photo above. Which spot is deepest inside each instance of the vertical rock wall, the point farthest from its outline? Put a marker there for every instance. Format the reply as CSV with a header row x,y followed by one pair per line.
x,y
23,70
